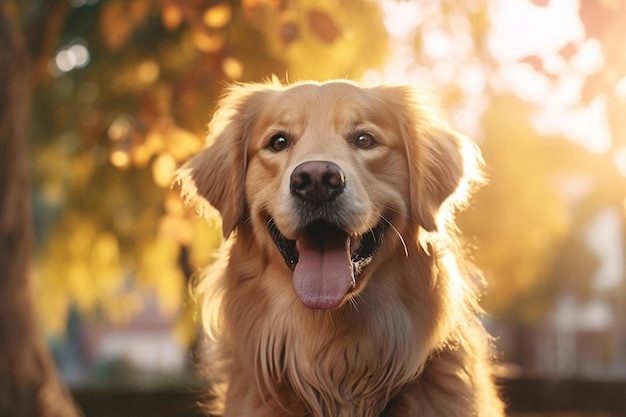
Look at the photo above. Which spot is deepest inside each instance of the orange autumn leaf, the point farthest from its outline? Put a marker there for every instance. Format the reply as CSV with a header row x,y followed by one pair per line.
x,y
171,16
534,61
323,26
119,19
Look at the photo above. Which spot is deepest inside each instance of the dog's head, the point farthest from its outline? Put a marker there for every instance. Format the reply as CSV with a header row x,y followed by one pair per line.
x,y
325,173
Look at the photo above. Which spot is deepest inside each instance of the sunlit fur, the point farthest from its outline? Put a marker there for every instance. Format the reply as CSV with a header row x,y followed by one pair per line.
x,y
407,342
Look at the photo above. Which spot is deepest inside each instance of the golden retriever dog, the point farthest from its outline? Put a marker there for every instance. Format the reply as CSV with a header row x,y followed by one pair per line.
x,y
341,290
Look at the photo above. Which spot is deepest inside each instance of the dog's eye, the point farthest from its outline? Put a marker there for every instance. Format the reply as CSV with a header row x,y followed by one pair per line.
x,y
278,142
365,141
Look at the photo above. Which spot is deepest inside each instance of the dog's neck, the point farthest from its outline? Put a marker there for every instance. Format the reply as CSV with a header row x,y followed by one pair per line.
x,y
343,362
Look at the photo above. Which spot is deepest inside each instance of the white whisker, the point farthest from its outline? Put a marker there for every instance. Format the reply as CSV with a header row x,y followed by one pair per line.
x,y
354,304
397,232
359,299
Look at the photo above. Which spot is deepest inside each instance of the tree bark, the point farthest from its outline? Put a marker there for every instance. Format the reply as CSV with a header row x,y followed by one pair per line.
x,y
29,384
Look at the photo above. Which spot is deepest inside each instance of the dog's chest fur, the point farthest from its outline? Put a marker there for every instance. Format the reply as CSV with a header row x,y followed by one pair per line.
x,y
343,363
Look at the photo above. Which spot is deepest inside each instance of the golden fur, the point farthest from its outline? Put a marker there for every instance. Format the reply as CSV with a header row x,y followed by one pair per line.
x,y
406,340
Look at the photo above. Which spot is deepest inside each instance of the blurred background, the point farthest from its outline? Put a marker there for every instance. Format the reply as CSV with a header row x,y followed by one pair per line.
x,y
122,91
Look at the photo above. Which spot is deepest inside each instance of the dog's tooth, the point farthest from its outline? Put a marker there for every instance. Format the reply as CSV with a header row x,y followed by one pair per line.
x,y
355,245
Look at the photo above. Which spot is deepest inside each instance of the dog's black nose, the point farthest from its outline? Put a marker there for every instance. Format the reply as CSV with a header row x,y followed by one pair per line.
x,y
317,181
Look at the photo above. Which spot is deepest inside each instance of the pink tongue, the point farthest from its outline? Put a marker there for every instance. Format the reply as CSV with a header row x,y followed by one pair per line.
x,y
323,275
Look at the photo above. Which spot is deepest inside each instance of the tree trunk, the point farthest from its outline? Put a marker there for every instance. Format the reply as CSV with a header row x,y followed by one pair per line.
x,y
29,385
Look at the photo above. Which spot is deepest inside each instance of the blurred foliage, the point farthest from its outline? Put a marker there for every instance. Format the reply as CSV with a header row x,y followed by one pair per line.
x,y
108,131
520,234
545,190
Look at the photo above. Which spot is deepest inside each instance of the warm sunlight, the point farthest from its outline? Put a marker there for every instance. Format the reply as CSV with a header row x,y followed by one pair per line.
x,y
520,33
120,94
552,56
521,30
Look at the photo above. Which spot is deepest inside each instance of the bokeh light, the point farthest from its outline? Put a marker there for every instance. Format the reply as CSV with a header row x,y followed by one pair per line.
x,y
124,90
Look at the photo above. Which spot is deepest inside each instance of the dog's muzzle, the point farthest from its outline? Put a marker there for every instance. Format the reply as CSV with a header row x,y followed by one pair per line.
x,y
325,258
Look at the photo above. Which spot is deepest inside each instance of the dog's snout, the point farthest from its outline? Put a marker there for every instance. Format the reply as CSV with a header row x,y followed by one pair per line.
x,y
317,181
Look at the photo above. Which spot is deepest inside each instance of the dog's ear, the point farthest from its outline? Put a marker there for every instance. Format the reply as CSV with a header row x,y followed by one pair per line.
x,y
444,165
215,176
436,171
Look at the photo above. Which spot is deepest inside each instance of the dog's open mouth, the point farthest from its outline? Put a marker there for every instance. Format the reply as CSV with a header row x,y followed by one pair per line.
x,y
326,260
